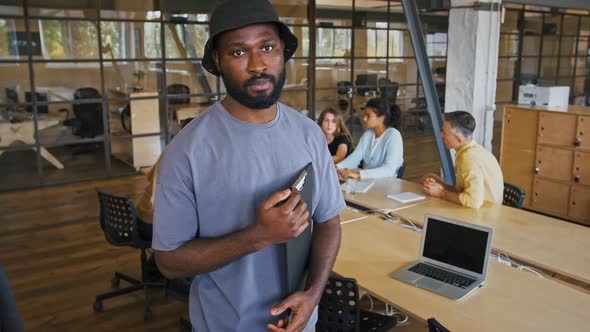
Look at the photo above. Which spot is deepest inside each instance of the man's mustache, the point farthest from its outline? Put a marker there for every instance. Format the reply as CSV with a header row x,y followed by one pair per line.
x,y
259,79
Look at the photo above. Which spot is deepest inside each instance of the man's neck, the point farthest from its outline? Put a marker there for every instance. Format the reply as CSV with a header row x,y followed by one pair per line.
x,y
462,145
249,115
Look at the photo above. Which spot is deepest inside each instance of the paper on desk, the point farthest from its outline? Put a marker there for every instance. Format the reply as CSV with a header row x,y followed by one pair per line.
x,y
406,197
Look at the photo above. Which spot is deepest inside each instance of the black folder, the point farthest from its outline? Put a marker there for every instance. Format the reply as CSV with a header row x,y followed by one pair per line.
x,y
297,250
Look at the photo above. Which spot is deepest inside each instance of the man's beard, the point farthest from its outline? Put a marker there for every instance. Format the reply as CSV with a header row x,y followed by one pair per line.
x,y
260,100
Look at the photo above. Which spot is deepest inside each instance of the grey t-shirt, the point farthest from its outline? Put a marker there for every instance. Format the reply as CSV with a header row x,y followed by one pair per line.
x,y
213,177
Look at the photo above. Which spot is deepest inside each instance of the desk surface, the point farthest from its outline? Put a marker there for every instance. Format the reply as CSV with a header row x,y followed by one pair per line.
x,y
376,197
551,244
511,300
545,242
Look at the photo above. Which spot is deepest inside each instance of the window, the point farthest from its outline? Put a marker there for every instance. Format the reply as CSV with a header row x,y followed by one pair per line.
x,y
333,42
436,44
68,39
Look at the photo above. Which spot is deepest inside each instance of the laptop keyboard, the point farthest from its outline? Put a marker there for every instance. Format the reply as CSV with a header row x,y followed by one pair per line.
x,y
442,275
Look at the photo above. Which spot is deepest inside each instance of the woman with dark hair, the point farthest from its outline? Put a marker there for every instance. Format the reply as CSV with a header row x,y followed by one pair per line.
x,y
380,148
337,135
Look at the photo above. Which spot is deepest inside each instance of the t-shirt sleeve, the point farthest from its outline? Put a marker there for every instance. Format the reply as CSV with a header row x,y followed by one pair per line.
x,y
175,206
331,202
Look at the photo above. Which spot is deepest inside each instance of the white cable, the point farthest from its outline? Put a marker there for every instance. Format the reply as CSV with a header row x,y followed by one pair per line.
x,y
520,267
351,220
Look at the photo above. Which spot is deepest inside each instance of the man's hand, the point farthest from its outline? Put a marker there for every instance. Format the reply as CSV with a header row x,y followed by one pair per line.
x,y
346,173
279,224
434,188
301,304
432,177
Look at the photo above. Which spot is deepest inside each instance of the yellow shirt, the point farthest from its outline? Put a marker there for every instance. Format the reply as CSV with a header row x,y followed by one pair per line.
x,y
479,177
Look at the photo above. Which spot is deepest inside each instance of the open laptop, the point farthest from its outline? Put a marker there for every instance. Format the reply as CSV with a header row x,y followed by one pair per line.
x,y
453,257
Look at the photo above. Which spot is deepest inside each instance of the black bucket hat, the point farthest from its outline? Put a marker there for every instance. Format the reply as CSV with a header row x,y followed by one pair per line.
x,y
234,14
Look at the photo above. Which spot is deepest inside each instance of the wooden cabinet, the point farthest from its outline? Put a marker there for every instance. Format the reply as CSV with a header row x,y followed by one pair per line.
x,y
557,129
580,203
554,163
547,153
550,196
583,133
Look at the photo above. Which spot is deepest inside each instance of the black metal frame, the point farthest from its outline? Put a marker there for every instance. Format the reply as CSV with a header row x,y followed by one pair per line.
x,y
516,79
164,133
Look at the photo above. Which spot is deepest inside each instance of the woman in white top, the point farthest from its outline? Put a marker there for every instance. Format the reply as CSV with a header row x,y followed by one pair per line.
x,y
380,148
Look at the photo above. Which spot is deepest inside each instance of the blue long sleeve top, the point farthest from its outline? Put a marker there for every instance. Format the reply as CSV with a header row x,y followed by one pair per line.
x,y
384,161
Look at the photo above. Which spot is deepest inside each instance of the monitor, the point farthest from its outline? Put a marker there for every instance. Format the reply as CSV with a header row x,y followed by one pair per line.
x,y
41,98
365,83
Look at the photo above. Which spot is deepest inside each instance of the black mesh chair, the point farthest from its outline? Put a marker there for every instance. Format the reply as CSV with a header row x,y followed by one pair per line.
x,y
388,89
435,326
401,170
120,226
513,195
178,94
88,122
338,310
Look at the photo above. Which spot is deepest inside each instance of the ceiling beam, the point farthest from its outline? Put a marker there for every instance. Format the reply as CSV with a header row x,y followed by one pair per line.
x,y
570,4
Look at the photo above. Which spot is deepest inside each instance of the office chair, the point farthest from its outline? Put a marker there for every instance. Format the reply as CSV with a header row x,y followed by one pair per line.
x,y
388,89
41,98
338,310
435,326
120,226
88,122
9,317
513,195
178,89
345,92
401,170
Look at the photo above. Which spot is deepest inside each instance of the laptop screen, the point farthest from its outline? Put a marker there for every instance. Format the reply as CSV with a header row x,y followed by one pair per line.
x,y
455,245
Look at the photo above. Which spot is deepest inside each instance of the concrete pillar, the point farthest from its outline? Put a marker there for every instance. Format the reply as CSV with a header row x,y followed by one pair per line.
x,y
472,62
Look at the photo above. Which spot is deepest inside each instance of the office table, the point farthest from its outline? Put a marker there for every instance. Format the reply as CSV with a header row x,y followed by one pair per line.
x,y
510,300
545,242
25,132
376,197
551,244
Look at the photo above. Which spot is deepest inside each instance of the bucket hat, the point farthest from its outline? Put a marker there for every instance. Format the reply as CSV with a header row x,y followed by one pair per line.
x,y
234,14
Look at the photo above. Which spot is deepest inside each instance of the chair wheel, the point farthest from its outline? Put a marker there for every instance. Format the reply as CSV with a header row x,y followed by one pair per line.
x,y
97,306
115,282
147,315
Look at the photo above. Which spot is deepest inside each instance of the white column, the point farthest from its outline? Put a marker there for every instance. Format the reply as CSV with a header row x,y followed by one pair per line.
x,y
472,63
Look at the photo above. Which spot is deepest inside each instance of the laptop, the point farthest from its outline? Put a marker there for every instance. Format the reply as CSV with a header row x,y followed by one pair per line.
x,y
453,257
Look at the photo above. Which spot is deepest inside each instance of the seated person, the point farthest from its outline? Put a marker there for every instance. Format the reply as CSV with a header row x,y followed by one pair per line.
x,y
337,135
145,208
479,177
380,148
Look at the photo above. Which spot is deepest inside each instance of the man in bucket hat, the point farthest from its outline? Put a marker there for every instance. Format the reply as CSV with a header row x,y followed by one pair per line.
x,y
216,214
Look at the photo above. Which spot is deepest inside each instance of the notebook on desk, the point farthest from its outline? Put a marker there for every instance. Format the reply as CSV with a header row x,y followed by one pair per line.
x,y
406,197
354,186
453,257
297,249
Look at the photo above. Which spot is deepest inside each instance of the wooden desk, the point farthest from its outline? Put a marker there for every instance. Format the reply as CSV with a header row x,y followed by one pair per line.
x,y
351,215
534,239
188,111
25,132
511,300
376,197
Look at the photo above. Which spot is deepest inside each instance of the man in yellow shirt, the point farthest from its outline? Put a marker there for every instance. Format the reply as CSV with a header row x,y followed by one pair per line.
x,y
479,177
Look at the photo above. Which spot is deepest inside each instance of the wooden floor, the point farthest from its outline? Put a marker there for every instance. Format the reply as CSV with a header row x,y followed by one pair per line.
x,y
57,259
